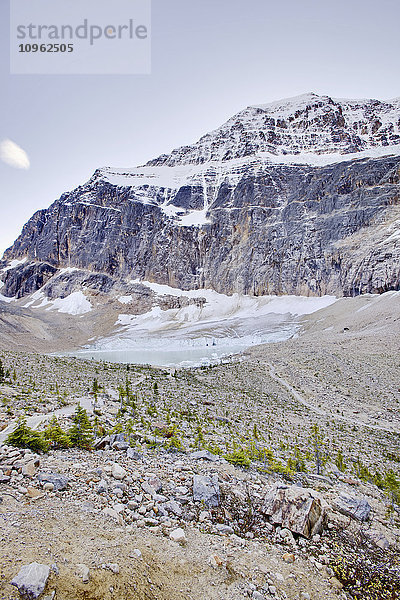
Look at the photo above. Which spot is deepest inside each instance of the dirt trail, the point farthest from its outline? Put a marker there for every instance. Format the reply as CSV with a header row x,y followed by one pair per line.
x,y
353,421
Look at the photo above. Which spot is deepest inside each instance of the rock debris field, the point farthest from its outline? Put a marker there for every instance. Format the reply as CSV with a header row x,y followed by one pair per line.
x,y
273,476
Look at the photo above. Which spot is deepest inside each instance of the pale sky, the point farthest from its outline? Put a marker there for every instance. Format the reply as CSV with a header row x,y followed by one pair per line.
x,y
210,59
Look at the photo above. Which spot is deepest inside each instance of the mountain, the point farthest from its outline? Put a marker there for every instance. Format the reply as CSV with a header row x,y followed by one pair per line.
x,y
299,196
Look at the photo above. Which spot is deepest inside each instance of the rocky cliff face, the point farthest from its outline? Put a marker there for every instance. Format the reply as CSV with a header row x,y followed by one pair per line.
x,y
298,197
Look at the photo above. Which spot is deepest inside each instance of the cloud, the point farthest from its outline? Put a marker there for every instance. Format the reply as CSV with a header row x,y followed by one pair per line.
x,y
13,155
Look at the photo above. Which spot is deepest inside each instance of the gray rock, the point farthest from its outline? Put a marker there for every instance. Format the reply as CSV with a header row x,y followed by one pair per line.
x,y
300,510
101,443
83,572
206,490
30,468
178,535
204,455
377,538
59,481
118,472
118,442
148,489
111,514
118,492
31,580
173,507
113,567
224,529
155,483
102,486
356,508
133,454
120,446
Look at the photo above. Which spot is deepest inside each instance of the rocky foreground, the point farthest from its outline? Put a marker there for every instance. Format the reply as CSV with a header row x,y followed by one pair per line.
x,y
203,483
164,525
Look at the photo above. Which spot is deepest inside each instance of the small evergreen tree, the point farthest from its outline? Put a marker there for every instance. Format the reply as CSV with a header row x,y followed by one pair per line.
x,y
2,372
95,386
340,462
317,442
25,437
81,432
392,486
199,438
54,434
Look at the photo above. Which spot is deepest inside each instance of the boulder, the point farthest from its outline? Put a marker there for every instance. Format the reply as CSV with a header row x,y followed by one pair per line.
x,y
377,538
206,489
224,529
30,468
117,441
155,483
133,454
118,472
177,535
174,507
204,455
59,481
356,508
101,443
31,580
33,492
83,572
301,510
102,487
120,446
112,514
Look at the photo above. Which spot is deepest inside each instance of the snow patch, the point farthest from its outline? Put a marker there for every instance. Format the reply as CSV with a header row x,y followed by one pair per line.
x,y
125,299
74,304
295,305
175,177
15,263
67,270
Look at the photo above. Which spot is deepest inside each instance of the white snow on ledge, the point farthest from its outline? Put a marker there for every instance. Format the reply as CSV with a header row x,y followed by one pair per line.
x,y
125,299
175,177
14,263
295,305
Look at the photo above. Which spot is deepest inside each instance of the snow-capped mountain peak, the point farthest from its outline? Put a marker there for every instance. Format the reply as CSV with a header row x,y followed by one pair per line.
x,y
298,196
306,123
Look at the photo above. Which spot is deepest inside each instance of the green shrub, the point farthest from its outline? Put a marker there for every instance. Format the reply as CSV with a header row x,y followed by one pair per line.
x,y
339,462
54,434
25,437
238,457
81,432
